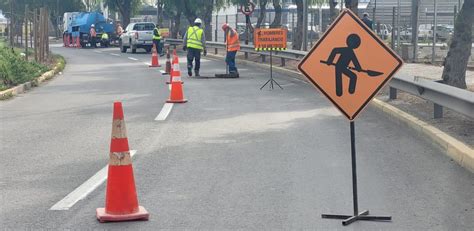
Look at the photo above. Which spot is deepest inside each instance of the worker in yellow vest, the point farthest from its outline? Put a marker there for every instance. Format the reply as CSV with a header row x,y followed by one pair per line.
x,y
194,41
157,39
233,45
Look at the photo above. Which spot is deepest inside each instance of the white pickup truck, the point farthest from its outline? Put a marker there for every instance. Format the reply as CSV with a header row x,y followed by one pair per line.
x,y
137,35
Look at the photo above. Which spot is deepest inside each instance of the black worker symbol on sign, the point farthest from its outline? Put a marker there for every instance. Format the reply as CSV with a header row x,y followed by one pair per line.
x,y
347,56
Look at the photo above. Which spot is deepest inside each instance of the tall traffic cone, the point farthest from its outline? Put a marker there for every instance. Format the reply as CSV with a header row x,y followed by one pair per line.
x,y
154,58
174,70
78,42
121,203
176,94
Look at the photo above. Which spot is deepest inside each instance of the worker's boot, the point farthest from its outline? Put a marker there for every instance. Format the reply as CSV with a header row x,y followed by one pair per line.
x,y
190,72
196,73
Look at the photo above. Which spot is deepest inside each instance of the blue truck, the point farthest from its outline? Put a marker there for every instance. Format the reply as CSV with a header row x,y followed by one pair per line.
x,y
78,24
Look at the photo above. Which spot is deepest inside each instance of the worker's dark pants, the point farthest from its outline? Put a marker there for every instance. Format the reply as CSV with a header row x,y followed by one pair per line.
x,y
158,46
352,81
194,54
230,60
93,42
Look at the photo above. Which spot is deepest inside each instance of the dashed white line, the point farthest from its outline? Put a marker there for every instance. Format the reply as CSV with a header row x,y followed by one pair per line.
x,y
131,58
148,64
114,54
96,51
165,111
84,189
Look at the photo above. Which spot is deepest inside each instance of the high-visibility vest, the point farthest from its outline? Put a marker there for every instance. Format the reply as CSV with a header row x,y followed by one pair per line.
x,y
194,36
93,33
155,37
233,43
104,36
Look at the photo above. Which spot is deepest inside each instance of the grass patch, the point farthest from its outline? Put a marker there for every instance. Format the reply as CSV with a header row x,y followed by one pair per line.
x,y
15,70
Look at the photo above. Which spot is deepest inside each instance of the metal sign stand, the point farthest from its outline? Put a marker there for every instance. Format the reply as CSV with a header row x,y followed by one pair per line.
x,y
364,215
271,80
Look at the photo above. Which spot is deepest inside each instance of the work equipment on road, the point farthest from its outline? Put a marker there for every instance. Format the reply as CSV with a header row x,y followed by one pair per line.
x,y
121,203
168,63
154,58
176,94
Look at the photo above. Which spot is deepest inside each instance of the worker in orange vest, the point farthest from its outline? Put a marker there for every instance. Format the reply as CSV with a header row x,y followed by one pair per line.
x,y
233,45
93,35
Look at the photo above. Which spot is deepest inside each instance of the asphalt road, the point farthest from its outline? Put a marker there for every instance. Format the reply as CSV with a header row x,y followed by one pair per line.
x,y
233,157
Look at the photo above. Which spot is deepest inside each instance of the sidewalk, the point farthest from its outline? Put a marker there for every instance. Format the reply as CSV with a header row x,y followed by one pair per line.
x,y
431,72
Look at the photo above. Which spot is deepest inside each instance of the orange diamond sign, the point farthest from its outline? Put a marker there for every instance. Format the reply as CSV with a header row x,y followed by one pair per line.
x,y
350,64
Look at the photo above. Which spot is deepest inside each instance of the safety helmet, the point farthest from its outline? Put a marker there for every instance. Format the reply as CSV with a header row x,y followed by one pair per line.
x,y
198,20
366,14
225,26
92,25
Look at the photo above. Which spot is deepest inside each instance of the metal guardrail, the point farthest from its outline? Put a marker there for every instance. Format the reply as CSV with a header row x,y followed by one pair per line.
x,y
442,95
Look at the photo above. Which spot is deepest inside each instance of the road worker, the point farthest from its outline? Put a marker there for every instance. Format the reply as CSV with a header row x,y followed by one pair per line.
x,y
367,21
119,29
233,45
93,35
104,39
194,42
157,39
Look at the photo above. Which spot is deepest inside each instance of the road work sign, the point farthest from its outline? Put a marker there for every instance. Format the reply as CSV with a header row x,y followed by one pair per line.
x,y
350,64
270,39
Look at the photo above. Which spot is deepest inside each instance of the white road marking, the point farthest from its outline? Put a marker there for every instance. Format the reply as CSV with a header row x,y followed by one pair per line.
x,y
84,189
165,111
96,51
148,64
114,54
169,86
132,58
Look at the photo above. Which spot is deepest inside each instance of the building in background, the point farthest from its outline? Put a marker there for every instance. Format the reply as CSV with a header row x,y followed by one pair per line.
x,y
3,23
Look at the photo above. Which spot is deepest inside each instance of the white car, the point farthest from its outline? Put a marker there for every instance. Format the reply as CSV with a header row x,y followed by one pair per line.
x,y
137,35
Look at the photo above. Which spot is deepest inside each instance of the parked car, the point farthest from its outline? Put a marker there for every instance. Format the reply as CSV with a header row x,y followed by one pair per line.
x,y
137,35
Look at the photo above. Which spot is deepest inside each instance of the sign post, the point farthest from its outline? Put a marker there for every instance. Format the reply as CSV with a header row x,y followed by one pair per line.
x,y
349,65
270,40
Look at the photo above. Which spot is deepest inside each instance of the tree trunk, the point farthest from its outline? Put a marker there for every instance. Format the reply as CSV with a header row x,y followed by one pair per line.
x,y
160,13
415,4
207,19
261,15
298,35
176,24
352,5
454,72
332,11
277,20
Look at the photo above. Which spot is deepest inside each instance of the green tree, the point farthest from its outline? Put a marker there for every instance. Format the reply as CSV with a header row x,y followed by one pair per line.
x,y
126,8
454,72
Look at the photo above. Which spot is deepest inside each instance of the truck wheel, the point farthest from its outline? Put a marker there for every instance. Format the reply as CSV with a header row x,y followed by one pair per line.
x,y
134,49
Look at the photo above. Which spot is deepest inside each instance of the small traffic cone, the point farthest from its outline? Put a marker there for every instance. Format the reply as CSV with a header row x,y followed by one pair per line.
x,y
154,58
121,203
176,94
168,63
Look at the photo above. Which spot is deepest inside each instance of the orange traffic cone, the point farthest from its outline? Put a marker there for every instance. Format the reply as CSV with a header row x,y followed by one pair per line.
x,y
154,58
174,70
121,203
168,63
78,42
176,94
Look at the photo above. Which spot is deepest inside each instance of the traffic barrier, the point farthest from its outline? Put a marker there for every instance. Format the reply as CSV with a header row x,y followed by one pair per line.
x,y
121,203
176,94
154,58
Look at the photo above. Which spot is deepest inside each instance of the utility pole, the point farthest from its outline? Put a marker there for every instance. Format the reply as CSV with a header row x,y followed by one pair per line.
x,y
414,32
26,32
398,25
11,24
305,25
433,51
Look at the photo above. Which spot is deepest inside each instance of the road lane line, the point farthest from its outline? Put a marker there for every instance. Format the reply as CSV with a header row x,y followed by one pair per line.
x,y
148,64
84,189
96,51
114,54
165,111
132,58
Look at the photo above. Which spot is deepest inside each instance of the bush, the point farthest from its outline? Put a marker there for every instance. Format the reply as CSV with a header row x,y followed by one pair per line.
x,y
15,70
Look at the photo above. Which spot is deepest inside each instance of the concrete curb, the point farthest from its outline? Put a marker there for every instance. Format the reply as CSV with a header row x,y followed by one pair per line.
x,y
6,94
450,146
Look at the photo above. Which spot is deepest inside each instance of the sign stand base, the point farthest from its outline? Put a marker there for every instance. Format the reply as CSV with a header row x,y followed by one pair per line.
x,y
271,80
348,219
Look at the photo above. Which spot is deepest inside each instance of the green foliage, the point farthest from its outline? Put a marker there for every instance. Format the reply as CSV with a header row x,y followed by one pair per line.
x,y
14,69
